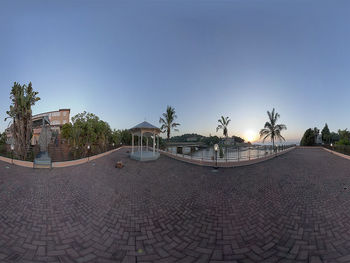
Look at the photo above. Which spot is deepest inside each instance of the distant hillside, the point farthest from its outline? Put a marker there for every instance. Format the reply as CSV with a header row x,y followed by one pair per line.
x,y
188,137
193,137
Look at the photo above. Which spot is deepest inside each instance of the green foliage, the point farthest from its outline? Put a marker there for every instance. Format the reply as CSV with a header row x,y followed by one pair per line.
x,y
121,137
326,134
3,138
23,97
168,121
87,129
193,137
343,142
211,140
334,137
344,137
66,131
308,138
272,129
238,139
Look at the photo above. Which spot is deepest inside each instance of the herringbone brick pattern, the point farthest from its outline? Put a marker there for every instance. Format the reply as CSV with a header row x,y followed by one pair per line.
x,y
294,208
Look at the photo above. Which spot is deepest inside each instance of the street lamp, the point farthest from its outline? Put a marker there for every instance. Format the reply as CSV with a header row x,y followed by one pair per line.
x,y
216,148
12,149
88,147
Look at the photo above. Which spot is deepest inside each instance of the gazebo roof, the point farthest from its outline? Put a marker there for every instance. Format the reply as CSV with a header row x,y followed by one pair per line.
x,y
145,126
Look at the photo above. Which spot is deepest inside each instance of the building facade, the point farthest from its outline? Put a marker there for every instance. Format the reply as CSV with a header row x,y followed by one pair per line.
x,y
56,118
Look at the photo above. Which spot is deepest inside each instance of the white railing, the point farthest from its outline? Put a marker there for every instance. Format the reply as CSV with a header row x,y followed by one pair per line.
x,y
229,154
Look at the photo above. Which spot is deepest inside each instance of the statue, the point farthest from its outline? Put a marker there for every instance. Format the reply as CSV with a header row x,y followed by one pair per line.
x,y
43,159
45,135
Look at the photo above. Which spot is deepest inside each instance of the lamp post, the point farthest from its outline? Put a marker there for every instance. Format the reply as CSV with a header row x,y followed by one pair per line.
x,y
216,148
12,149
88,147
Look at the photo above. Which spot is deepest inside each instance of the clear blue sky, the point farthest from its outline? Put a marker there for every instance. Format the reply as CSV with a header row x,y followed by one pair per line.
x,y
127,60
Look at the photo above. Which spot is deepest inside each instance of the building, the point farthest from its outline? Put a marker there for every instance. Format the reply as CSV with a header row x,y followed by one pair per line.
x,y
318,139
57,120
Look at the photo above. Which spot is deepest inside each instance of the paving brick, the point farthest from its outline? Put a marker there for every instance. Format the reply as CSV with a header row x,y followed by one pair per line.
x,y
292,208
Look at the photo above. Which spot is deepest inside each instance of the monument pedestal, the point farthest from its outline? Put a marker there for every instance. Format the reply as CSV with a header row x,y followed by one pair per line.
x,y
42,160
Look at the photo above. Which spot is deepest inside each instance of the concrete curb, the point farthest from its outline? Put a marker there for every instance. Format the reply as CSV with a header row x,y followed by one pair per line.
x,y
225,164
17,162
60,164
337,153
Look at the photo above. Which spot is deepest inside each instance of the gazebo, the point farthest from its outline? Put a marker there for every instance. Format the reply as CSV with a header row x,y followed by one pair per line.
x,y
142,153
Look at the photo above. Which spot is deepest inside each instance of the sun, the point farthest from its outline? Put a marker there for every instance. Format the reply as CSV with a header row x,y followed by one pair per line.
x,y
250,136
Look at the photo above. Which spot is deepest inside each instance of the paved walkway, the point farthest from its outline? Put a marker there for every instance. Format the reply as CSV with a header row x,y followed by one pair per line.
x,y
293,208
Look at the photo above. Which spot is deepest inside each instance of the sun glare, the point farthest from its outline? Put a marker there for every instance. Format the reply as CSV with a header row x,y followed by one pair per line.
x,y
250,136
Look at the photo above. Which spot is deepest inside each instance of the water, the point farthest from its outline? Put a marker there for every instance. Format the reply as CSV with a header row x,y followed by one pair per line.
x,y
231,153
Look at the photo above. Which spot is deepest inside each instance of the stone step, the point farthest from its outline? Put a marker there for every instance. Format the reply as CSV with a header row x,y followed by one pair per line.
x,y
42,166
42,161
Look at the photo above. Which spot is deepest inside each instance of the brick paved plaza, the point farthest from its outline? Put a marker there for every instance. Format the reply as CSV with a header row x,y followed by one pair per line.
x,y
293,208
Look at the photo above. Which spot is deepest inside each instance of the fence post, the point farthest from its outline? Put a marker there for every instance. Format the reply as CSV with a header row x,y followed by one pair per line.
x,y
238,153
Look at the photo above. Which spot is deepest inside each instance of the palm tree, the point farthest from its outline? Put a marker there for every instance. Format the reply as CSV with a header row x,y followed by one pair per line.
x,y
168,121
271,129
223,123
23,98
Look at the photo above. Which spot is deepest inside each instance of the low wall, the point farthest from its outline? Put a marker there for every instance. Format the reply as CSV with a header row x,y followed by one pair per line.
x,y
309,147
17,162
337,153
226,164
60,164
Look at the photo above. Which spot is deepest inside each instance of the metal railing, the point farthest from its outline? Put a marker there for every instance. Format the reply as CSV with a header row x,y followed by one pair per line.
x,y
58,153
344,149
229,153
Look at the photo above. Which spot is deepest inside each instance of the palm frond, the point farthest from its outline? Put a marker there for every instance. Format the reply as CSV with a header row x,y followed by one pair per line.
x,y
281,127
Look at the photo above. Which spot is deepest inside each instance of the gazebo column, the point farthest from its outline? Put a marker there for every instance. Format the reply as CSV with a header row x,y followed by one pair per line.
x,y
154,143
132,143
141,144
158,143
147,143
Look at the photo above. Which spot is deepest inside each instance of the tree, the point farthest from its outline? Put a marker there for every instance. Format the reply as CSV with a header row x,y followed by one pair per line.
x,y
211,140
121,137
3,138
168,121
238,139
334,137
326,134
223,123
308,138
344,137
271,129
85,130
23,98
